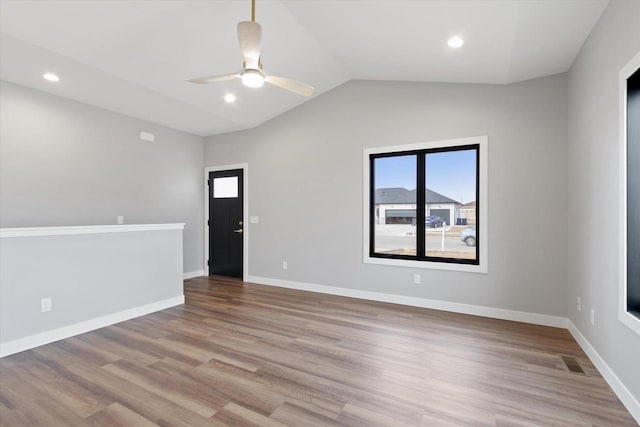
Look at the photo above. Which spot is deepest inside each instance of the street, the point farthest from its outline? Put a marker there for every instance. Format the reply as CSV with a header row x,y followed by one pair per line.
x,y
393,237
384,243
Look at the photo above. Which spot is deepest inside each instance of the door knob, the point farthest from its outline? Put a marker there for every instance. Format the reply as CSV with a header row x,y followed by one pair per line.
x,y
239,230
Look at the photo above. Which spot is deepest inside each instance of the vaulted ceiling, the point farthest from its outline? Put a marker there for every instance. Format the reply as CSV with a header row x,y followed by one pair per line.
x,y
133,57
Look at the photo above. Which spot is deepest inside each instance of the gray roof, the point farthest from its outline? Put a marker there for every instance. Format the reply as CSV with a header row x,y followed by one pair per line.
x,y
399,195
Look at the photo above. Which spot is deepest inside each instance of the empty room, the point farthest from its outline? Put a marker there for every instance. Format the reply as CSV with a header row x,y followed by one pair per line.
x,y
320,213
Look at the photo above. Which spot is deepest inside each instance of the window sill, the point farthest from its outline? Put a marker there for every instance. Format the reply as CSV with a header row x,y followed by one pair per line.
x,y
468,268
632,320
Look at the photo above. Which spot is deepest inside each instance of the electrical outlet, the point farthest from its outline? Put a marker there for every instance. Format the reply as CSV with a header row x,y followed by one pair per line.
x,y
45,305
285,265
120,219
593,316
579,304
416,279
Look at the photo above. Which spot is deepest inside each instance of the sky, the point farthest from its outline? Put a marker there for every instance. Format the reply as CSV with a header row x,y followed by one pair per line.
x,y
452,173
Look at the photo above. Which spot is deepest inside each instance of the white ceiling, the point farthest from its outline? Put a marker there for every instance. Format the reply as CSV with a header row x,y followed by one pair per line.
x,y
133,57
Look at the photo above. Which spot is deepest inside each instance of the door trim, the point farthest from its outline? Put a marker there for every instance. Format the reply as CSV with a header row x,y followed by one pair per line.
x,y
245,215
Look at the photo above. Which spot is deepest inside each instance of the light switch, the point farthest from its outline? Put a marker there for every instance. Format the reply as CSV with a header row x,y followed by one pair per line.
x,y
254,219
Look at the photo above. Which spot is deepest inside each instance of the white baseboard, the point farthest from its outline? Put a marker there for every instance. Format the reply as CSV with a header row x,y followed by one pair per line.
x,y
476,310
192,274
623,393
32,341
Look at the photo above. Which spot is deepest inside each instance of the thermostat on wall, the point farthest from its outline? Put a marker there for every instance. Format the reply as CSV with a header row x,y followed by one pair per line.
x,y
147,136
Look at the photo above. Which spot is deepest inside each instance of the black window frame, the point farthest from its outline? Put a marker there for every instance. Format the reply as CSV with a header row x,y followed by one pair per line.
x,y
421,205
632,215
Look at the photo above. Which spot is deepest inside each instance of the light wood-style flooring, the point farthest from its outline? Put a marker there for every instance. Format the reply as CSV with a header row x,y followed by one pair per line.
x,y
244,354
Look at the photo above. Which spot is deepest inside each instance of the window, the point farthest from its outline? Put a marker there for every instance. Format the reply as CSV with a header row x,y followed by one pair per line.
x,y
425,205
633,194
224,188
630,194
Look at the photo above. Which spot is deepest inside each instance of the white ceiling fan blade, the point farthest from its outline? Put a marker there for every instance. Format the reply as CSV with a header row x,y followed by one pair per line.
x,y
212,79
290,85
250,38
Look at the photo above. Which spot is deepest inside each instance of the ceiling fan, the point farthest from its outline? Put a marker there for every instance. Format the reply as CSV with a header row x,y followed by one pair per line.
x,y
250,37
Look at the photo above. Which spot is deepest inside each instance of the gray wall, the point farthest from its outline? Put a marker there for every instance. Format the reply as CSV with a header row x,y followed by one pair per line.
x,y
144,267
594,187
305,184
67,163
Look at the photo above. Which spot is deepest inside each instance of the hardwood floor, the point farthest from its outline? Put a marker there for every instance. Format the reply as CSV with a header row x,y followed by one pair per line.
x,y
243,354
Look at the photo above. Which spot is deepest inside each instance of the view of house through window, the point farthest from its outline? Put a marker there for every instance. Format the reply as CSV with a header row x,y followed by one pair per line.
x,y
424,205
395,205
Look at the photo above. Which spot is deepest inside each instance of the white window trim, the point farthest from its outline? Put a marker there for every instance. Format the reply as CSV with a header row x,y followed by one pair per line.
x,y
483,226
625,317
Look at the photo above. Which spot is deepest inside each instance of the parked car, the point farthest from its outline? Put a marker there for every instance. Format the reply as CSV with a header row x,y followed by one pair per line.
x,y
468,236
433,221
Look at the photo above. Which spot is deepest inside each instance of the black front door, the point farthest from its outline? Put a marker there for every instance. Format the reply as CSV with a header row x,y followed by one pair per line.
x,y
225,223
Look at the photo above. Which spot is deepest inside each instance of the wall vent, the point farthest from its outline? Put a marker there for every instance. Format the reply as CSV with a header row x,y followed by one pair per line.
x,y
147,136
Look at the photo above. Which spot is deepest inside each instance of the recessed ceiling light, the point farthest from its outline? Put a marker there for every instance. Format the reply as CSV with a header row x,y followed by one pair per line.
x,y
229,98
51,77
455,42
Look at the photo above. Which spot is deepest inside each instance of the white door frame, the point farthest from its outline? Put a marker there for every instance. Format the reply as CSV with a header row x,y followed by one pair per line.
x,y
245,214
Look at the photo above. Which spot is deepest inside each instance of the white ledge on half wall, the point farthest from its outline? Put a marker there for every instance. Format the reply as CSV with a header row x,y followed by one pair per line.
x,y
85,229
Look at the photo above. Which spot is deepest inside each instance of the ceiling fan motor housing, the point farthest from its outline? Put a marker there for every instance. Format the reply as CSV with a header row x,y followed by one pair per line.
x,y
250,38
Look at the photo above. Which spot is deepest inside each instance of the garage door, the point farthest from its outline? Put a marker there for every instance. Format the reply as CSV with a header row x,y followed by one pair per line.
x,y
400,216
445,214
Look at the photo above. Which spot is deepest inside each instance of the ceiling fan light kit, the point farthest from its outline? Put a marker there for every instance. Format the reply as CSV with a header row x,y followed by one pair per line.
x,y
252,78
250,39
